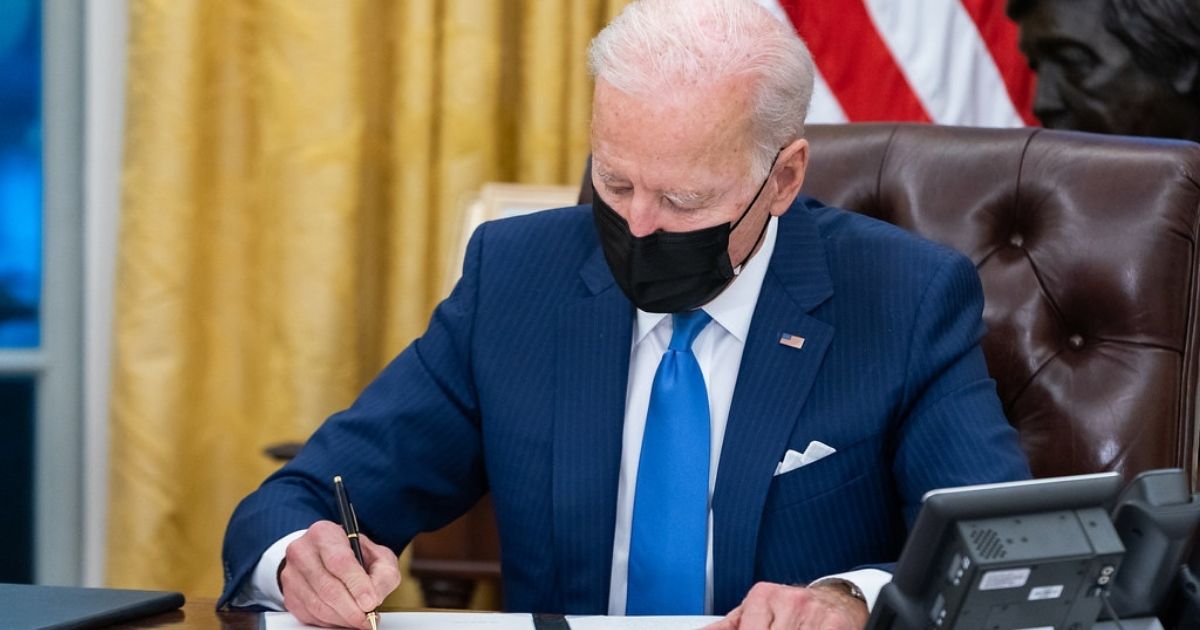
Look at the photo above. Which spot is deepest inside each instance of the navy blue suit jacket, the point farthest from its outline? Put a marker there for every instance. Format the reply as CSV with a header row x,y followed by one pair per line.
x,y
518,388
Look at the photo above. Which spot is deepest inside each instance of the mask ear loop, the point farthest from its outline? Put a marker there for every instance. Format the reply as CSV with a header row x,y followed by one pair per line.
x,y
770,171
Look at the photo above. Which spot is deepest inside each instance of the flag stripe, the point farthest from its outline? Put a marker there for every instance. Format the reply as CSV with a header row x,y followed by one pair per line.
x,y
1000,35
825,107
792,341
947,61
953,73
829,34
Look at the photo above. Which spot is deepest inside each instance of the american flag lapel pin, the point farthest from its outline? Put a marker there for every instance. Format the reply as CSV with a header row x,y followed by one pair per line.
x,y
792,341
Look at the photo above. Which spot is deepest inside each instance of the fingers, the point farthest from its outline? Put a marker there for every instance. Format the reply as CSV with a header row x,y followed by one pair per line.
x,y
777,607
730,622
347,575
302,601
323,578
757,614
758,608
383,567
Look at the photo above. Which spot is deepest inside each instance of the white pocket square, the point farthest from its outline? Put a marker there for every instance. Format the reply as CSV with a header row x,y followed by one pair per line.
x,y
792,460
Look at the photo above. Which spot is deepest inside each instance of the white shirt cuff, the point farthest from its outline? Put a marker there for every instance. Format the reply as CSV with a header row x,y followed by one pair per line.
x,y
869,581
262,589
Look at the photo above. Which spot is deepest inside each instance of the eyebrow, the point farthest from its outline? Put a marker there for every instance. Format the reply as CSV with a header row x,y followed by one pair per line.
x,y
679,197
608,177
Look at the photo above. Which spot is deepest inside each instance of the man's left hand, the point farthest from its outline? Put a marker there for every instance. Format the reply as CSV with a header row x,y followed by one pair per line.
x,y
777,607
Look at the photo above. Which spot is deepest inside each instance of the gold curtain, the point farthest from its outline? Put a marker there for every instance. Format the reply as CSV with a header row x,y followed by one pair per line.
x,y
292,178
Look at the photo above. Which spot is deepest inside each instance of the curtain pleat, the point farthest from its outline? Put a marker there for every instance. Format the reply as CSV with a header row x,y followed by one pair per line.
x,y
293,177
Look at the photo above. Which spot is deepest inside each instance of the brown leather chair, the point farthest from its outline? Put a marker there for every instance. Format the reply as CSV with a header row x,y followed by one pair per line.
x,y
1087,249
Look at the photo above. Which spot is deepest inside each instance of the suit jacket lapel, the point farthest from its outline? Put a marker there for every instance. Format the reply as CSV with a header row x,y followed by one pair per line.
x,y
593,336
772,385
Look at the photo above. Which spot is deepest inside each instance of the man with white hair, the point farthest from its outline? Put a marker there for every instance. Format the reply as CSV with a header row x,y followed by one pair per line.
x,y
694,396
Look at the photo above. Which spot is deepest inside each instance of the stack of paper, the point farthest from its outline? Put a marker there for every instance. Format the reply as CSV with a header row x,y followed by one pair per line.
x,y
501,621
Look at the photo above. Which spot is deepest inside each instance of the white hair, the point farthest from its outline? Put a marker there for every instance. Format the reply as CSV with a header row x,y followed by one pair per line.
x,y
659,47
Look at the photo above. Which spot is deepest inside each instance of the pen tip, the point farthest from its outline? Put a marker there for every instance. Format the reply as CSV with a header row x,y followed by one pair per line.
x,y
374,619
337,479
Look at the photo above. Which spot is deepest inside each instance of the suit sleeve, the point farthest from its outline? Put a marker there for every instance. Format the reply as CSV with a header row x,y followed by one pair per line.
x,y
409,448
952,430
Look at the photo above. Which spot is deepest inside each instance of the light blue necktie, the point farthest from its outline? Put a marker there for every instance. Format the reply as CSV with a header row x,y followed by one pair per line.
x,y
668,547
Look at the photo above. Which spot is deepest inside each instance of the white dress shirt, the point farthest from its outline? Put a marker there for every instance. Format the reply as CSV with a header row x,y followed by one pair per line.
x,y
718,349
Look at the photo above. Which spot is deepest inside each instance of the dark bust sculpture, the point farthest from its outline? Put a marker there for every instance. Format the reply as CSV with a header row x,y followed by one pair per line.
x,y
1114,66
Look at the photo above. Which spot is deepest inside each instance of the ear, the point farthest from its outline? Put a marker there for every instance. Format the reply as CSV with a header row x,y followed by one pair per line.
x,y
789,175
1184,78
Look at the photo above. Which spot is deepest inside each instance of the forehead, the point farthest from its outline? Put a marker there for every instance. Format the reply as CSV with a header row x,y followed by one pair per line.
x,y
702,129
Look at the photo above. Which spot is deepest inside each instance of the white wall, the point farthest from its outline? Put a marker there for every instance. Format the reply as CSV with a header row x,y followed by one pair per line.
x,y
105,32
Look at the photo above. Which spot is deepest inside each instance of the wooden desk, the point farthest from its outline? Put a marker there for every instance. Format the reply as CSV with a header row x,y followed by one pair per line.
x,y
198,613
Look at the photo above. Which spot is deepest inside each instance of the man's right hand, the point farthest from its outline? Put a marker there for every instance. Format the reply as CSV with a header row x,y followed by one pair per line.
x,y
323,584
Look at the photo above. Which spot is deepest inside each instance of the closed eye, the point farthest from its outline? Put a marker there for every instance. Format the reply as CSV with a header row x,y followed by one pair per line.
x,y
618,191
682,206
688,201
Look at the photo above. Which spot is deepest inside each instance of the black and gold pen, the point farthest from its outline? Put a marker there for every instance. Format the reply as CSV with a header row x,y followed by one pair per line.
x,y
350,524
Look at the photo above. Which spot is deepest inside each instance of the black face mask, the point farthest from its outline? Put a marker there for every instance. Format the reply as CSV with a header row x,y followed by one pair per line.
x,y
670,272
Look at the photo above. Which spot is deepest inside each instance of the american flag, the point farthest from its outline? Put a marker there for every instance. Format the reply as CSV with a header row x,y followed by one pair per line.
x,y
791,341
951,62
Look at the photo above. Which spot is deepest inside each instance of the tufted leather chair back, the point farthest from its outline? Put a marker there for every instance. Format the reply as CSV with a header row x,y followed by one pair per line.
x,y
1087,249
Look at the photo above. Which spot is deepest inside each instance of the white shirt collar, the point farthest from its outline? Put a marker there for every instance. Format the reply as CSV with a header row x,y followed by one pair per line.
x,y
734,307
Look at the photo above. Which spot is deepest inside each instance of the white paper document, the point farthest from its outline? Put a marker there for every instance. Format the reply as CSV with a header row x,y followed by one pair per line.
x,y
421,621
500,621
639,623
